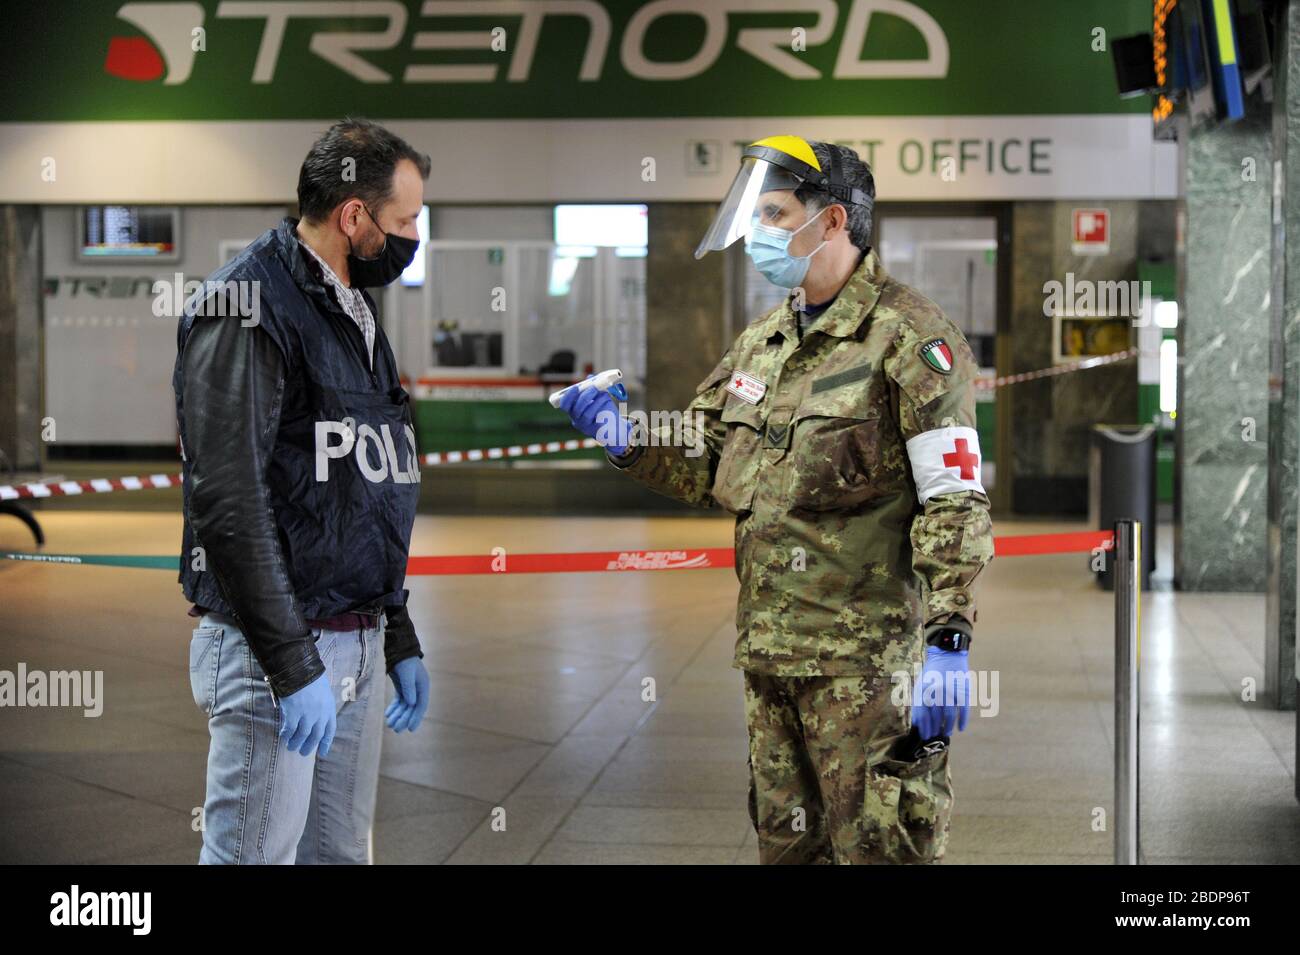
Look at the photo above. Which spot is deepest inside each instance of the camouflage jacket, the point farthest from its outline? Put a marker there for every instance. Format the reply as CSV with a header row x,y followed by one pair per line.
x,y
851,462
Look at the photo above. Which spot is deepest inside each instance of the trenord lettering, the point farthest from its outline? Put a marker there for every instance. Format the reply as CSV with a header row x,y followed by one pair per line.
x,y
171,30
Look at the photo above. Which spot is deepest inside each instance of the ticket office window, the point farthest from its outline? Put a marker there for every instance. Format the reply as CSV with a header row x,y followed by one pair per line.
x,y
531,308
531,291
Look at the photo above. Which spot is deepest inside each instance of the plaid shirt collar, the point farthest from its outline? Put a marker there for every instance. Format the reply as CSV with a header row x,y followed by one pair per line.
x,y
329,276
351,300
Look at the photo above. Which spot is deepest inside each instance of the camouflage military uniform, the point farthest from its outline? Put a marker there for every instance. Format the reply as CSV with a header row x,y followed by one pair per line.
x,y
848,455
823,785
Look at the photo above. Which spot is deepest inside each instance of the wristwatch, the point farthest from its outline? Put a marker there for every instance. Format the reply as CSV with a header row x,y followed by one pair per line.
x,y
949,638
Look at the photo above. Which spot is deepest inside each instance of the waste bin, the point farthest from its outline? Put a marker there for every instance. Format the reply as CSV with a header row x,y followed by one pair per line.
x,y
1122,484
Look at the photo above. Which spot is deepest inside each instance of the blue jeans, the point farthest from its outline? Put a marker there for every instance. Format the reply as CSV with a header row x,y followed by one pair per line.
x,y
265,804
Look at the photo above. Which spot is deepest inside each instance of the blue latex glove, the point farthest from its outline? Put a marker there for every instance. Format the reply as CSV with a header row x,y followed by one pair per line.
x,y
412,683
594,413
941,701
308,719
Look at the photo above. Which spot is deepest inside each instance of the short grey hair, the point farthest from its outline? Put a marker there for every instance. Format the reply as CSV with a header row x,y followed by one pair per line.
x,y
855,172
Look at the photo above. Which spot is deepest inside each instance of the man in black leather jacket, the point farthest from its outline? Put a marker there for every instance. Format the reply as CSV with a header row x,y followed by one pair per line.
x,y
301,481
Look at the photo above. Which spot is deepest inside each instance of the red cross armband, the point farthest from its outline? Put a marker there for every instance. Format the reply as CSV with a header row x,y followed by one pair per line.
x,y
945,461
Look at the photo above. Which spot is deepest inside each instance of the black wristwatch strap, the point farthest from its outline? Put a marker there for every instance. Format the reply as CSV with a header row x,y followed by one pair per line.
x,y
949,639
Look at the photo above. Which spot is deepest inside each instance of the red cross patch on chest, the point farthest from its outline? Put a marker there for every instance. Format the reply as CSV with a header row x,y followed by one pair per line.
x,y
746,387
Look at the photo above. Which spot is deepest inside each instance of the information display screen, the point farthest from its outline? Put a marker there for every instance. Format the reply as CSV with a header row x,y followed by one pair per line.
x,y
129,232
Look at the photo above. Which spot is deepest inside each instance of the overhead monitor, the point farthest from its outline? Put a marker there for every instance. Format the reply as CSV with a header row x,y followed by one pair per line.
x,y
107,233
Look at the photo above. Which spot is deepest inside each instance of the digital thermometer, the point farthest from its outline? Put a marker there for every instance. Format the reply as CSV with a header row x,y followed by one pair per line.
x,y
610,381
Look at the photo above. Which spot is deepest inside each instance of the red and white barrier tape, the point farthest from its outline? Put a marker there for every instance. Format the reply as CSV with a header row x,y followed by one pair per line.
x,y
514,451
1056,369
102,485
10,492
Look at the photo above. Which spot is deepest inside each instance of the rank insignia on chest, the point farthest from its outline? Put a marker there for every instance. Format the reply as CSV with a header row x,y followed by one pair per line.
x,y
776,431
937,355
776,435
746,387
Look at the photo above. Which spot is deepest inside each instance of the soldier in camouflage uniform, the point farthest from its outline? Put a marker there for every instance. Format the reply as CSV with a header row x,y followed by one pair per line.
x,y
844,443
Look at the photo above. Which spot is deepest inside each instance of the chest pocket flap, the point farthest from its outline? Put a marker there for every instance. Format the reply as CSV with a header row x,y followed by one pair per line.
x,y
742,456
838,456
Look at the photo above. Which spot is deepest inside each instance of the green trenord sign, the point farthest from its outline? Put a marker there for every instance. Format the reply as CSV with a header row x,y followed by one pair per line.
x,y
521,59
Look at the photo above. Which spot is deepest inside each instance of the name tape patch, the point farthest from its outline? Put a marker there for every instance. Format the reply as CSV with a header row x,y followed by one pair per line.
x,y
746,387
840,379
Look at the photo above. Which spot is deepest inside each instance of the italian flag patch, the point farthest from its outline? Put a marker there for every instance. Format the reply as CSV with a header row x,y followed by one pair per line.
x,y
937,355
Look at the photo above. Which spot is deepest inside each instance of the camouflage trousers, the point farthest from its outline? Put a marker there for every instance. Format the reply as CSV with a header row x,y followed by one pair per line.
x,y
823,785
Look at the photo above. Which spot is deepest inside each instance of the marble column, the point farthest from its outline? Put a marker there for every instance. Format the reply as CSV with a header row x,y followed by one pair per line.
x,y
1280,658
1222,423
21,360
687,313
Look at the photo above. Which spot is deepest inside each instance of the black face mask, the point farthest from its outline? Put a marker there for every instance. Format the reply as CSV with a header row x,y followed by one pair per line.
x,y
398,252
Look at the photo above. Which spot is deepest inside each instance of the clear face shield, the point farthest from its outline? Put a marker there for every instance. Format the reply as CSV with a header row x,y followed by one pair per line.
x,y
761,192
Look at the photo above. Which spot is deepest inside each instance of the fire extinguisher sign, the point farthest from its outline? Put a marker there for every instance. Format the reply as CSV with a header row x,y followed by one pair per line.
x,y
1091,231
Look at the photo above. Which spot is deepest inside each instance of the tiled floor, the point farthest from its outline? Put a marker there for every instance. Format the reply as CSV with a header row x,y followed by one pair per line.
x,y
538,709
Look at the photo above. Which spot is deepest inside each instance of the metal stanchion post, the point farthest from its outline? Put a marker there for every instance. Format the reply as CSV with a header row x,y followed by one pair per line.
x,y
1128,655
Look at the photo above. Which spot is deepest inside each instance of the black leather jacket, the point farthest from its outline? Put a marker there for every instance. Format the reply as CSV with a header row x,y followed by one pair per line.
x,y
232,386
